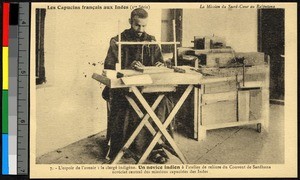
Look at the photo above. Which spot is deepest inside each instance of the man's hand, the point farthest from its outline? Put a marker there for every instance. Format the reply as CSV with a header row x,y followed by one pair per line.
x,y
136,65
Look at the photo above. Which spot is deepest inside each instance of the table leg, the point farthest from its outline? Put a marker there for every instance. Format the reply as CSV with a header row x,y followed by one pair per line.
x,y
162,127
139,127
265,108
201,129
147,124
141,115
196,113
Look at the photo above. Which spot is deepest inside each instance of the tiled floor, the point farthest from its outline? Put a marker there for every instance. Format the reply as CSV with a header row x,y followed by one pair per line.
x,y
236,145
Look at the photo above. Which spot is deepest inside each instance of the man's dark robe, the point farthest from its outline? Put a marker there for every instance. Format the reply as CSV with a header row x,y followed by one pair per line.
x,y
122,119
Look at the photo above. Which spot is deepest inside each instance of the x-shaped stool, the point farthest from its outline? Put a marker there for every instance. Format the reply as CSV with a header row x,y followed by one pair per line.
x,y
162,127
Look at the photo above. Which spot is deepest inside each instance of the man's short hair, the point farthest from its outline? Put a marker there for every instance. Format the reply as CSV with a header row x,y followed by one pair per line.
x,y
139,12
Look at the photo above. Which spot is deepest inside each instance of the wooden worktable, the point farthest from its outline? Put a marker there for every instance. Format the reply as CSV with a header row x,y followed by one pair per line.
x,y
207,91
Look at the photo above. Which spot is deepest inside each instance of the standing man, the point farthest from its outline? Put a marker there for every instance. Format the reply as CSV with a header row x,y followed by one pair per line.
x,y
122,119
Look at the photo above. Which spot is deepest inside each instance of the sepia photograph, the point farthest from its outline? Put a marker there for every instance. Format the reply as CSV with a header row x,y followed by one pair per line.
x,y
162,90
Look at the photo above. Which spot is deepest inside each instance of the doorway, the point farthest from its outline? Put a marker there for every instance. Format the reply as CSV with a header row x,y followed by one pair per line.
x,y
271,42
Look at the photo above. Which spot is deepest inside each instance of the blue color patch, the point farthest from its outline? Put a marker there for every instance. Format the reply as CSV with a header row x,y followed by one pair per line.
x,y
5,169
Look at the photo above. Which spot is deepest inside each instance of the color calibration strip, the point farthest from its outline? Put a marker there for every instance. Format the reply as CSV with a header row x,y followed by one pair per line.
x,y
15,69
5,68
13,86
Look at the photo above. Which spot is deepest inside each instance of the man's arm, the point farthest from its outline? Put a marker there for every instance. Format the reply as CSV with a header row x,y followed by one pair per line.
x,y
112,55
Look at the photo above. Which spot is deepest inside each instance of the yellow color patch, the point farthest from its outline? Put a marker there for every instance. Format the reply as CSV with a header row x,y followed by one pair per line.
x,y
5,68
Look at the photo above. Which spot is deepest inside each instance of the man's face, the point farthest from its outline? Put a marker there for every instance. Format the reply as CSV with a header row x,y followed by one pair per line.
x,y
139,25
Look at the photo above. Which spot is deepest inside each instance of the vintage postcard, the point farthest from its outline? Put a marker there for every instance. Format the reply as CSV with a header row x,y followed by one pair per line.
x,y
163,90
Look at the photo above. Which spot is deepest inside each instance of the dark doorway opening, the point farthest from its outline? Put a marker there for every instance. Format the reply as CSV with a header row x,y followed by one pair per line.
x,y
271,41
39,49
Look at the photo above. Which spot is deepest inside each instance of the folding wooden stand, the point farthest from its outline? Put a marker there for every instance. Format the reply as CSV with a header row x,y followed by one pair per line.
x,y
162,127
163,82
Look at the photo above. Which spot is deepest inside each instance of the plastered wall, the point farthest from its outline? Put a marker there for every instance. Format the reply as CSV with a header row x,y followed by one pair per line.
x,y
69,107
238,26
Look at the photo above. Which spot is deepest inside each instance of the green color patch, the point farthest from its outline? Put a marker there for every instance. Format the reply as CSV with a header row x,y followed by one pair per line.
x,y
4,112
